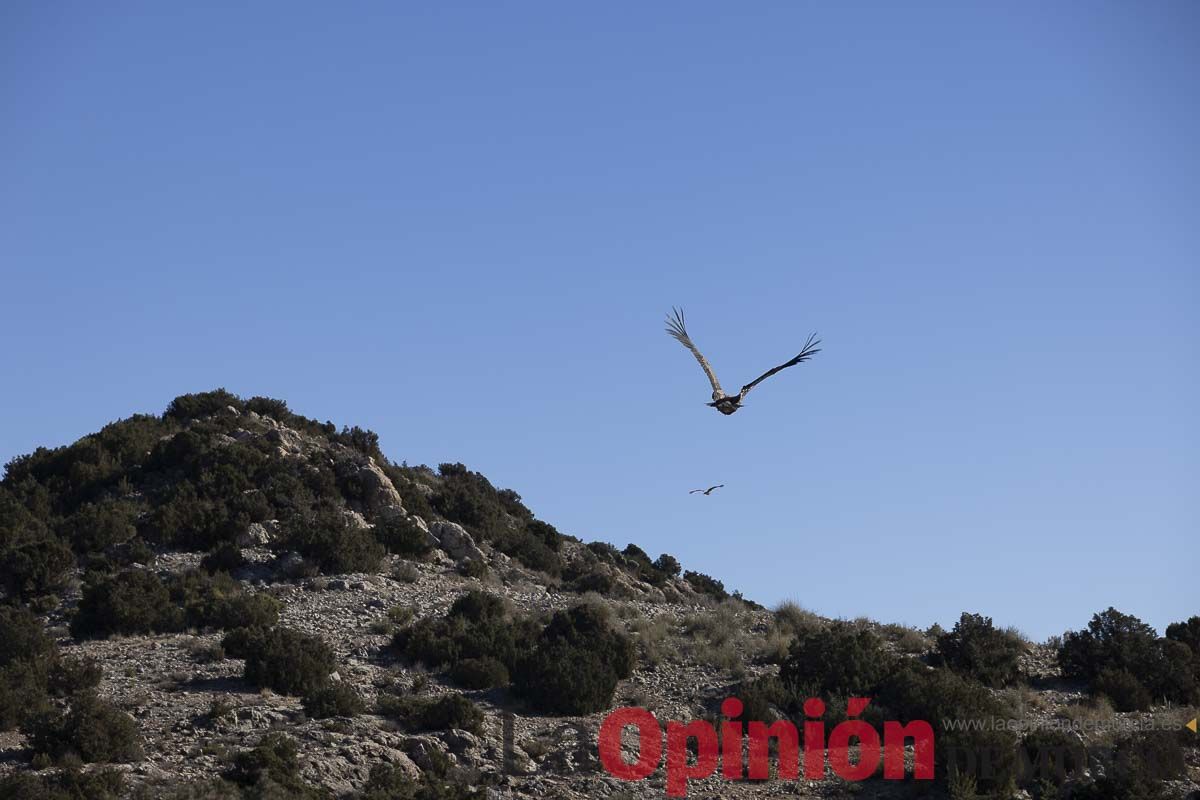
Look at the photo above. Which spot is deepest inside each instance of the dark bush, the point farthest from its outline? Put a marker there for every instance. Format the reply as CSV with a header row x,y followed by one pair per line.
x,y
22,636
1186,632
1123,689
22,692
333,700
1140,768
912,691
840,659
36,564
450,711
1116,643
1112,640
478,625
92,729
387,782
26,653
706,585
576,665
407,483
1054,755
595,581
269,407
32,669
497,516
402,536
96,526
218,601
332,541
668,565
225,557
282,659
131,602
976,648
70,676
271,770
479,673
69,784
201,404
474,568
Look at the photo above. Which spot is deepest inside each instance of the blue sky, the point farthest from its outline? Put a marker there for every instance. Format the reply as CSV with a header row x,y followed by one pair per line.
x,y
461,225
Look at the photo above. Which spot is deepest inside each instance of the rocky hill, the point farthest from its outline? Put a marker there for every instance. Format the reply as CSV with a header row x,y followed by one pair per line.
x,y
231,600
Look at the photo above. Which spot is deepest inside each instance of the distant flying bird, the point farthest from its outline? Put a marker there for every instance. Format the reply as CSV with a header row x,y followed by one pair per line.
x,y
722,402
707,491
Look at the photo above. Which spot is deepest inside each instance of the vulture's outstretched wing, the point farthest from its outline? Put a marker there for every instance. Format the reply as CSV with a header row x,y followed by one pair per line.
x,y
675,328
810,349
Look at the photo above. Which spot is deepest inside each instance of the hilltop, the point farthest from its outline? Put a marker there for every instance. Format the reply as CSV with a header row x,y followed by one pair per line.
x,y
233,600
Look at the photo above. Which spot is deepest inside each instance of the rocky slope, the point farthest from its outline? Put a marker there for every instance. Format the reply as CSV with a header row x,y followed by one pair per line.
x,y
194,709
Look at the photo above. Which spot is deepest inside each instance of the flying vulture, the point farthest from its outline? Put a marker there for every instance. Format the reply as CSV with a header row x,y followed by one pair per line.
x,y
722,402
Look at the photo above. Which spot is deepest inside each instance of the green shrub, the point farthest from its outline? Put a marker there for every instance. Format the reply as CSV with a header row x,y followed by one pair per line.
x,y
497,516
706,585
976,648
333,700
131,602
406,480
668,565
450,711
474,568
22,636
400,535
201,404
387,782
478,625
337,546
429,714
1116,643
69,784
271,770
1140,768
577,663
1054,755
218,601
225,557
479,673
97,526
70,676
910,691
92,729
1112,640
596,581
35,565
32,670
22,692
841,659
1123,690
282,659
1186,632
